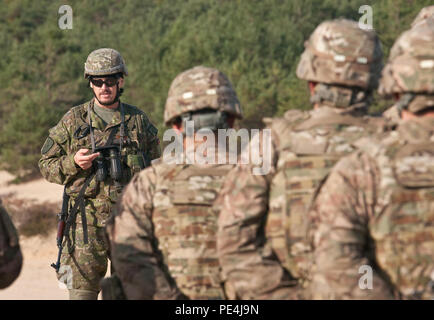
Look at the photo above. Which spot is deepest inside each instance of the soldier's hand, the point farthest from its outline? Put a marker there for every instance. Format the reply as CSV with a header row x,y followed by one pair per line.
x,y
84,161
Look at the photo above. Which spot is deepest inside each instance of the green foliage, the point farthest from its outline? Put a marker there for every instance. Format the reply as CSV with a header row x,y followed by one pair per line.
x,y
257,43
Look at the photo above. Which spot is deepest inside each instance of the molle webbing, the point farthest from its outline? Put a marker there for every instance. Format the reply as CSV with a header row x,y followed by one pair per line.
x,y
186,227
402,230
308,151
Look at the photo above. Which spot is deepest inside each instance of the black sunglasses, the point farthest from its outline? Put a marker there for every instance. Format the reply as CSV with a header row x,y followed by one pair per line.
x,y
109,82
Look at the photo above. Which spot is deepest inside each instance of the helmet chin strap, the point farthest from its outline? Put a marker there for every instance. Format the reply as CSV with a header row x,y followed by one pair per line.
x,y
116,99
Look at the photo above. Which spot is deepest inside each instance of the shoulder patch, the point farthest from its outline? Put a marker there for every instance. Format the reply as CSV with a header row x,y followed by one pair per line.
x,y
152,129
48,144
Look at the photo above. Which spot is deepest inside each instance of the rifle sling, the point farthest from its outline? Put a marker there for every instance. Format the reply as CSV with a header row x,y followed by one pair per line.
x,y
79,200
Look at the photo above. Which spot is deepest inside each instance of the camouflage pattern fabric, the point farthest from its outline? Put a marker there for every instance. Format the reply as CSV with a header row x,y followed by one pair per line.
x,y
111,288
376,210
418,103
250,268
423,15
82,266
410,68
11,259
199,88
104,62
352,99
339,52
411,62
305,147
392,114
163,237
57,164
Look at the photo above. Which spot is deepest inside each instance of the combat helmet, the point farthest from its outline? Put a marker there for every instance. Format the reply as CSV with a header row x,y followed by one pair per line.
x,y
410,68
104,62
339,52
423,15
201,88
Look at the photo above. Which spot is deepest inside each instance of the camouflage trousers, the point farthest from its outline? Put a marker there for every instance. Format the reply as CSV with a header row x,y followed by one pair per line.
x,y
84,265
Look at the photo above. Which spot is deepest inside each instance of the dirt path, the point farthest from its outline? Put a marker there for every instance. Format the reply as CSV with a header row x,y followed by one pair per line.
x,y
37,280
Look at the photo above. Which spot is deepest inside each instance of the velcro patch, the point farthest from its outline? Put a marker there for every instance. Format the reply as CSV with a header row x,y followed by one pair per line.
x,y
47,145
152,129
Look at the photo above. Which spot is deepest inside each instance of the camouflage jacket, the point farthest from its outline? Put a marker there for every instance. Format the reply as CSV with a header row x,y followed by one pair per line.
x,y
392,115
163,236
374,235
305,146
11,259
140,146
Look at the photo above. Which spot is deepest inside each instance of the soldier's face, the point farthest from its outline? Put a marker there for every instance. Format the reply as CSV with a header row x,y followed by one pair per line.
x,y
105,88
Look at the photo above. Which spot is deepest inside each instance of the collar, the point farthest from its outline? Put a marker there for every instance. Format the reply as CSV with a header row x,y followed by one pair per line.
x,y
97,123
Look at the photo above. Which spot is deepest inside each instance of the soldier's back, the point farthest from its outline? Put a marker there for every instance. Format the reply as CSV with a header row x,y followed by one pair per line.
x,y
186,225
309,145
401,227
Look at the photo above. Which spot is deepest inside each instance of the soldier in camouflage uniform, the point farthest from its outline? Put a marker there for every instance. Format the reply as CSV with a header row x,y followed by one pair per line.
x,y
374,215
423,15
103,122
393,113
163,237
11,259
342,63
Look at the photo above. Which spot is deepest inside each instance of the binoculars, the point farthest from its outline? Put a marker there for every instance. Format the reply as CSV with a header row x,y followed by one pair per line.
x,y
108,163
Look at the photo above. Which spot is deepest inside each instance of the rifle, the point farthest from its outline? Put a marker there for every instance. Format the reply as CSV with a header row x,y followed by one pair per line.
x,y
61,228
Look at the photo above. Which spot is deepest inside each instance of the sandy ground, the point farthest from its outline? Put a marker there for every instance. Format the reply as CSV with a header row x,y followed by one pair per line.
x,y
37,280
40,189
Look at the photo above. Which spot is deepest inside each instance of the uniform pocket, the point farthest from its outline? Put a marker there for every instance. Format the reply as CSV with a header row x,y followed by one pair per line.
x,y
135,162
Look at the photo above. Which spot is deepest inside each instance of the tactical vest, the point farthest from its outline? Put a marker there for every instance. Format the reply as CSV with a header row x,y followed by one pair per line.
x,y
186,226
402,228
132,157
310,143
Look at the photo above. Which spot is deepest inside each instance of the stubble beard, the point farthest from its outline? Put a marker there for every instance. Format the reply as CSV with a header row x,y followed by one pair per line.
x,y
108,103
